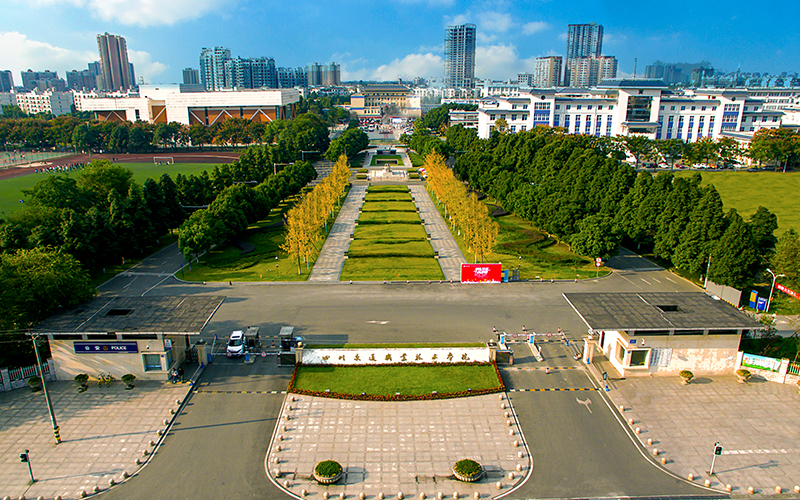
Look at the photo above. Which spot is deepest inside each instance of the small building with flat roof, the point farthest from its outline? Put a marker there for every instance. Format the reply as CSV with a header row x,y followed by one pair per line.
x,y
663,333
145,336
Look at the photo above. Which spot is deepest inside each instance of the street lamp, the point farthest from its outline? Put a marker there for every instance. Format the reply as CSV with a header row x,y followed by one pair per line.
x,y
772,288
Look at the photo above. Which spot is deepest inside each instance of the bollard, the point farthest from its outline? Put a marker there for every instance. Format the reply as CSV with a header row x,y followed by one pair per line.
x,y
664,460
519,454
280,437
177,401
500,397
145,452
502,406
278,448
649,441
630,421
111,482
172,411
277,473
637,430
439,495
707,483
506,414
751,490
511,432
797,489
691,477
361,496
421,495
160,432
95,488
325,495
342,495
655,452
499,485
138,461
519,467
276,460
399,495
83,494
381,495
165,421
283,428
515,444
125,474
151,443
455,494
621,407
476,495
508,423
511,476
547,370
728,487
778,489
303,492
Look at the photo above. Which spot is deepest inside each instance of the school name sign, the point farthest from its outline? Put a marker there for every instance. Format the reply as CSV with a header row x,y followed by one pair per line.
x,y
394,356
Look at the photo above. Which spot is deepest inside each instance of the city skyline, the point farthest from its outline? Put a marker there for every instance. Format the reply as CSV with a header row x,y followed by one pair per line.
x,y
383,41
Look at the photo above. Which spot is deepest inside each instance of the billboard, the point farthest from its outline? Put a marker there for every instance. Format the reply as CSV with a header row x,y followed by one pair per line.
x,y
481,273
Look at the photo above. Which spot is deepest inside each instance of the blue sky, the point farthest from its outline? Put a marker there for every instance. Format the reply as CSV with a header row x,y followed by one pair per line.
x,y
382,39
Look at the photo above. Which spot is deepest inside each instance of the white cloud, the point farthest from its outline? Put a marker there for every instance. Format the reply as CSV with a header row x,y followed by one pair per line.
x,y
534,27
409,67
496,21
144,65
563,36
496,61
485,39
21,53
614,39
142,12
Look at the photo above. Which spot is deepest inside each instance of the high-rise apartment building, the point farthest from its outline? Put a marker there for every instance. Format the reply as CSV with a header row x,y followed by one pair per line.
x,y
191,76
6,80
42,80
212,67
607,69
115,68
459,56
584,40
585,66
547,72
334,75
292,77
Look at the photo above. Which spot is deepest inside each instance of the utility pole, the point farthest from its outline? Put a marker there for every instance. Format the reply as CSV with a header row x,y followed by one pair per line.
x,y
708,269
56,429
26,459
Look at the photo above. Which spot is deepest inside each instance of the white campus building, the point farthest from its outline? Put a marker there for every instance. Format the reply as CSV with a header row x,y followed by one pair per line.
x,y
48,101
184,104
645,107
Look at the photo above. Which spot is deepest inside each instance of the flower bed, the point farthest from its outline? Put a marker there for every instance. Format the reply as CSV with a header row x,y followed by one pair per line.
x,y
467,470
328,472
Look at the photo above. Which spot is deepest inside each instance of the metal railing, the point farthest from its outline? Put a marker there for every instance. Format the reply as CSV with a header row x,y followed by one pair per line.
x,y
26,372
794,368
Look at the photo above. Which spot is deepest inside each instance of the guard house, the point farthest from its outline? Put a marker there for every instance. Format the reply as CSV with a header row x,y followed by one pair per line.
x,y
663,333
145,336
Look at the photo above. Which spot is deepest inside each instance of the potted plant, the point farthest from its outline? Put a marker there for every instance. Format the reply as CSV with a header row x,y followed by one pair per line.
x,y
35,383
686,376
128,379
467,470
743,375
82,379
327,472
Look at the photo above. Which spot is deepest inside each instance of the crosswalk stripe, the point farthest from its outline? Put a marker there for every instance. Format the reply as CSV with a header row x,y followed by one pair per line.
x,y
554,389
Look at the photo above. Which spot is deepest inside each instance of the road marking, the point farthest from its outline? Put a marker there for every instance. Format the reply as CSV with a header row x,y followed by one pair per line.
x,y
585,403
668,278
543,368
656,280
378,322
645,280
759,452
239,392
554,389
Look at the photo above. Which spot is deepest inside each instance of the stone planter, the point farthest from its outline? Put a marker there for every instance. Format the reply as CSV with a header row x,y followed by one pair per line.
x,y
467,478
328,480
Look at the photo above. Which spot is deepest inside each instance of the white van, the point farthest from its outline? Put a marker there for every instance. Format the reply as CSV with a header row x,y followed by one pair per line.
x,y
236,344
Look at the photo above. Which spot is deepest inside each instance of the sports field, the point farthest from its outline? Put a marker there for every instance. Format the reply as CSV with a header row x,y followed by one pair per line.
x,y
11,189
745,191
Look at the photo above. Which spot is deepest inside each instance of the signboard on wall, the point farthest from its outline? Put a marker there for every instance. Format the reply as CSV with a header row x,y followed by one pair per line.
x,y
481,273
105,347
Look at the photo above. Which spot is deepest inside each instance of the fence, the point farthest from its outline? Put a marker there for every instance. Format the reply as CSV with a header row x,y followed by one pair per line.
x,y
794,369
14,378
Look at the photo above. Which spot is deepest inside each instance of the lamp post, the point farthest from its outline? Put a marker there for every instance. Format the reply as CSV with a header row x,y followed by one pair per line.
x,y
772,288
56,428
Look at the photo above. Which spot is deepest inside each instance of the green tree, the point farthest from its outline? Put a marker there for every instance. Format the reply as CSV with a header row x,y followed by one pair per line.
x,y
638,146
705,227
786,259
596,237
735,256
101,177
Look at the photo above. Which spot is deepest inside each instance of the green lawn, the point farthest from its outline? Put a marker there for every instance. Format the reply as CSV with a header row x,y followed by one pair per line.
x,y
389,380
382,233
11,189
266,263
369,217
537,255
745,191
390,206
386,160
416,159
391,268
390,196
371,248
390,188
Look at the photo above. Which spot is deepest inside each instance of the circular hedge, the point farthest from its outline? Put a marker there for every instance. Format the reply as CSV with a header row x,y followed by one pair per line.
x,y
328,468
467,470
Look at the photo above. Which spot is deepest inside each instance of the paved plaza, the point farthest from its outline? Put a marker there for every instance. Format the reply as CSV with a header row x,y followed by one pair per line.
x,y
103,430
391,447
756,423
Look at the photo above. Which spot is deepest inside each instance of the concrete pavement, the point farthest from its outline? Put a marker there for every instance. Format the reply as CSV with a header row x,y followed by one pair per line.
x,y
329,264
442,241
104,431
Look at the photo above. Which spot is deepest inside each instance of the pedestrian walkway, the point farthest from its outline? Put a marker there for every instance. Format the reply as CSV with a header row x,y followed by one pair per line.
x,y
329,264
398,447
756,424
104,432
442,241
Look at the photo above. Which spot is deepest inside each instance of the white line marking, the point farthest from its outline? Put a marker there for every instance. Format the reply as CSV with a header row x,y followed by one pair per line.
x,y
645,280
585,403
656,280
668,278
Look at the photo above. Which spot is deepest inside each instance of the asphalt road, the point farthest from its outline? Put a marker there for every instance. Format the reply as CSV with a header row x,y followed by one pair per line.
x,y
217,447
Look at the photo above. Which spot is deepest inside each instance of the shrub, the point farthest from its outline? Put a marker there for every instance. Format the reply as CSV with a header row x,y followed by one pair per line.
x,y
413,176
361,176
467,467
328,468
81,378
35,383
743,373
363,170
686,374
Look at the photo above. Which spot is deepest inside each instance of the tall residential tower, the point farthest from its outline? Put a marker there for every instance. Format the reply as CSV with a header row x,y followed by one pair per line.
x,y
116,70
459,56
585,66
212,67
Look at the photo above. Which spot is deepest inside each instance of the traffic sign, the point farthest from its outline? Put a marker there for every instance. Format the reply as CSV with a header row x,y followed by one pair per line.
x,y
263,354
549,334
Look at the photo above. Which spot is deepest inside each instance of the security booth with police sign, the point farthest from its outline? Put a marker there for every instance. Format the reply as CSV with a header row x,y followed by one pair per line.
x,y
144,336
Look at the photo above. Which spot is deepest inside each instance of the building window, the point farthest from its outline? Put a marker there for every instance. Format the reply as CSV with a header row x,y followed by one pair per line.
x,y
589,106
558,106
662,108
639,358
600,107
137,114
492,117
745,108
502,116
513,118
703,108
694,108
152,362
523,128
683,108
578,106
611,106
713,108
672,108
569,106
513,128
513,106
524,106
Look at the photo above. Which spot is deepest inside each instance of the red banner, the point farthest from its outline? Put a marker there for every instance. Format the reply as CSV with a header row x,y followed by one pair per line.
x,y
481,273
784,290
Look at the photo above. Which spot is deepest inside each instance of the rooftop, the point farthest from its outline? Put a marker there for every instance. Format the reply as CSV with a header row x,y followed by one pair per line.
x,y
131,315
657,311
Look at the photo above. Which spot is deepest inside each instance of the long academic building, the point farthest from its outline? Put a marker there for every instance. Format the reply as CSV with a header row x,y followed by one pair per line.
x,y
189,105
643,107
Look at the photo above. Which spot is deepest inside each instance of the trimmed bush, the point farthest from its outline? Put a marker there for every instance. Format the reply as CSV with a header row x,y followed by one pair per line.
x,y
361,176
467,468
363,170
413,176
35,383
328,468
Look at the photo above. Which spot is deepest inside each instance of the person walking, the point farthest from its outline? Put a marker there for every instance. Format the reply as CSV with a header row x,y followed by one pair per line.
x,y
180,373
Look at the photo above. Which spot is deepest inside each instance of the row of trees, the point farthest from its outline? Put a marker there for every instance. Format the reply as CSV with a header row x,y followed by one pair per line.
x,y
575,188
349,144
306,222
467,215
